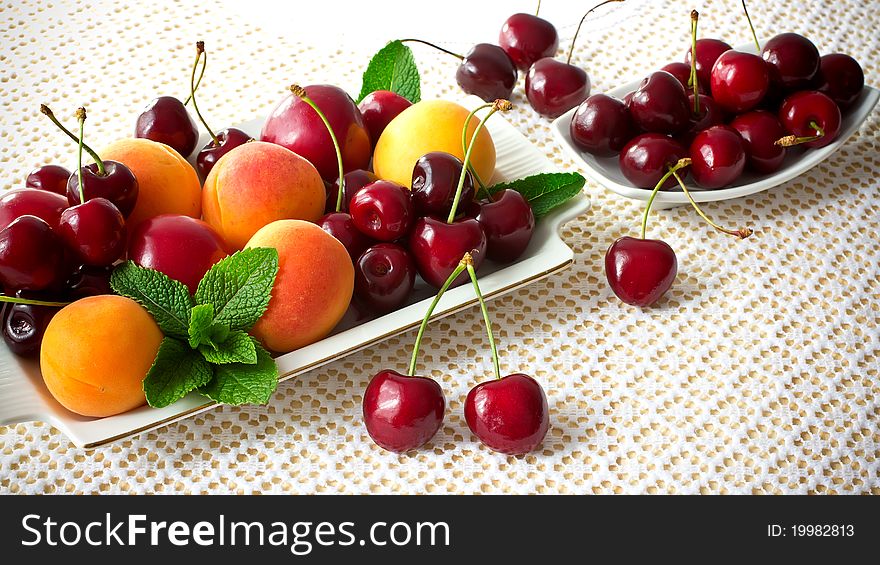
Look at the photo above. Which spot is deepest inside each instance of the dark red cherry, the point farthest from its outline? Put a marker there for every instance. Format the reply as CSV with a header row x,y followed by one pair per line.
x,y
760,130
52,178
602,125
508,415
708,115
804,110
25,324
89,281
682,72
383,210
437,248
526,38
718,157
841,78
795,57
554,87
31,255
739,81
384,276
31,202
229,138
508,222
402,412
434,182
708,51
118,185
340,226
640,271
166,120
354,181
378,108
486,71
94,231
660,104
647,157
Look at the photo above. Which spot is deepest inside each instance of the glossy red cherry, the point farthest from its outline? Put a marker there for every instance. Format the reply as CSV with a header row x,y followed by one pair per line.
x,y
708,115
508,222
88,281
384,276
166,120
841,78
647,157
708,51
718,157
341,226
354,181
795,57
437,248
31,255
554,87
51,178
602,125
660,104
183,248
640,271
32,202
402,412
739,81
94,231
682,72
383,210
118,185
760,130
434,182
508,415
25,324
486,71
803,111
229,139
526,38
378,108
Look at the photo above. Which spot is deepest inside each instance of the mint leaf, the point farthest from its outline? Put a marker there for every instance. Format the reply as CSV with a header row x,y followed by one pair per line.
x,y
237,348
393,68
239,383
239,287
544,191
201,320
167,300
176,371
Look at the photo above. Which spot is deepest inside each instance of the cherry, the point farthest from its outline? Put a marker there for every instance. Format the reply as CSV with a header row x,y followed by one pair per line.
x,y
45,205
660,104
225,141
402,412
25,324
353,181
508,222
708,115
434,181
602,125
553,87
682,72
841,78
384,276
437,246
89,281
717,156
52,178
759,130
486,71
645,159
378,108
341,226
509,415
812,118
383,210
795,58
31,255
708,51
739,81
166,120
526,38
94,231
640,271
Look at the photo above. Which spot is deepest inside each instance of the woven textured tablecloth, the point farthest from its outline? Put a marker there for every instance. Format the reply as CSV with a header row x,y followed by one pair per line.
x,y
757,374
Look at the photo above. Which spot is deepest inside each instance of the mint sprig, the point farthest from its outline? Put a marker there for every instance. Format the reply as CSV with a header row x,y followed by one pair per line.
x,y
393,68
545,191
206,345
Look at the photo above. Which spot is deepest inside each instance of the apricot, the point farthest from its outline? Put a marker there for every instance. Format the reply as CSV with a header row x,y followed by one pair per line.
x,y
430,125
258,183
96,353
167,183
313,287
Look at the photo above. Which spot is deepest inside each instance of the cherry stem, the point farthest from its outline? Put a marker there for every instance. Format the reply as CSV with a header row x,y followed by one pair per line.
x,y
578,30
81,117
473,275
200,52
749,19
437,47
681,163
198,82
16,300
462,265
464,145
695,16
300,93
538,9
51,115
498,105
792,140
741,233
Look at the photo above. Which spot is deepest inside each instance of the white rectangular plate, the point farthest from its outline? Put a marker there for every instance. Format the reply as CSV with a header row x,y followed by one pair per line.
x,y
23,396
605,170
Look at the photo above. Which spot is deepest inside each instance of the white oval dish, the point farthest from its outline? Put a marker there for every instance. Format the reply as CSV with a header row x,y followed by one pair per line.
x,y
606,172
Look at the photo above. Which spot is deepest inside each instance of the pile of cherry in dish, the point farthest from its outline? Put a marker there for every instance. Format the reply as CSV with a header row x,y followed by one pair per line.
x,y
726,110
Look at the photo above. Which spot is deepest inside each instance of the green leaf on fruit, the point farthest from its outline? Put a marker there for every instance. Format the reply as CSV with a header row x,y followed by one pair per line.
x,y
167,300
545,191
238,347
239,287
393,68
176,371
240,383
201,321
